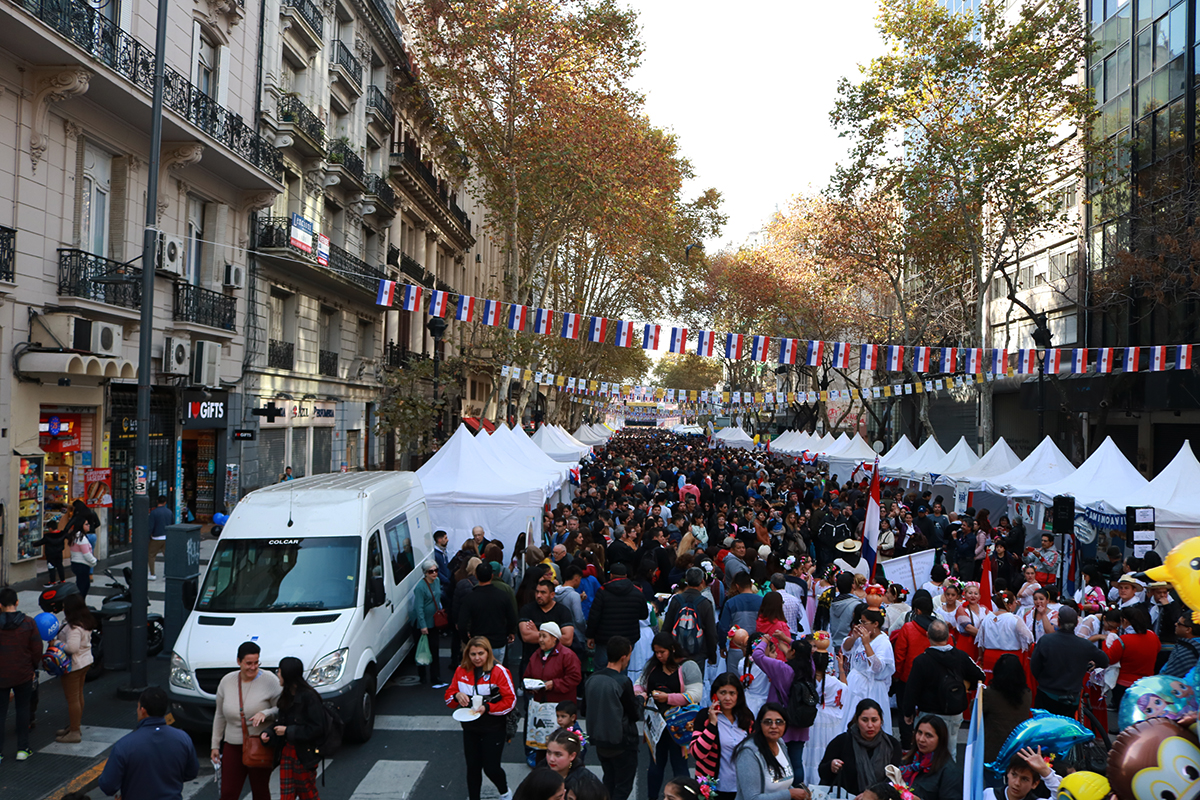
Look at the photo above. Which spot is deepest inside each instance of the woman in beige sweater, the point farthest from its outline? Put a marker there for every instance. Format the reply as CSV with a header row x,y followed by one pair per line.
x,y
260,692
75,638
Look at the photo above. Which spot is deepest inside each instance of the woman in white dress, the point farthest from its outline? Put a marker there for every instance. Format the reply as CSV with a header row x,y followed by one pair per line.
x,y
871,665
1001,632
1041,619
643,649
946,606
895,610
1031,585
831,693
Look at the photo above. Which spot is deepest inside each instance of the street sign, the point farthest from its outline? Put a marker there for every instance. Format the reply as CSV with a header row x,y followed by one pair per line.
x,y
243,435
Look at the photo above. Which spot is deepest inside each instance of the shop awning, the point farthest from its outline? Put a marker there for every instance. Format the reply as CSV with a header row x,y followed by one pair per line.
x,y
75,365
474,422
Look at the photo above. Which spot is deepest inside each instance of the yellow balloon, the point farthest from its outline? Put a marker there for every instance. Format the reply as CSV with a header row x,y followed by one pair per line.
x,y
1084,786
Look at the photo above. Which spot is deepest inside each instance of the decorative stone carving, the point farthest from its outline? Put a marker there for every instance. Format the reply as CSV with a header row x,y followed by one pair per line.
x,y
175,156
431,236
72,130
314,182
258,201
460,259
135,164
52,85
218,13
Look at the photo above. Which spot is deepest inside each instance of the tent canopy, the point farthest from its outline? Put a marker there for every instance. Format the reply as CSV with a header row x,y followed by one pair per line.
x,y
996,461
901,450
960,457
1045,465
1106,481
927,456
733,437
850,457
559,449
1173,492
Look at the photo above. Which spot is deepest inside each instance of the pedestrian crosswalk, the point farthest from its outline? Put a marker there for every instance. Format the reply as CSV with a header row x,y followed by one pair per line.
x,y
95,742
394,780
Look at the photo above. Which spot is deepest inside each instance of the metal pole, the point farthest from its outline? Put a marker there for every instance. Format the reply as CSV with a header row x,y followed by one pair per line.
x,y
1042,396
436,361
141,497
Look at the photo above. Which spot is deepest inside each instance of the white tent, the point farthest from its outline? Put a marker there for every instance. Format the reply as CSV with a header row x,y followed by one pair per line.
x,y
1175,499
516,443
559,449
1105,483
850,457
1046,464
960,457
461,492
822,445
733,437
836,446
920,462
900,451
498,453
562,433
589,436
996,461
791,443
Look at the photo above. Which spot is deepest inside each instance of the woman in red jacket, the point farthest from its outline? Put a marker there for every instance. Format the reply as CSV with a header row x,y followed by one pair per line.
x,y
1139,650
482,684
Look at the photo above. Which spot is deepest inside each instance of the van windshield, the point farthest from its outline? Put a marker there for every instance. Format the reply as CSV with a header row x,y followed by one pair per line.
x,y
299,574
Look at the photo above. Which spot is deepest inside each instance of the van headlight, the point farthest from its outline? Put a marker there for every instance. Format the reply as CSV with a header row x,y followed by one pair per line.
x,y
328,670
181,675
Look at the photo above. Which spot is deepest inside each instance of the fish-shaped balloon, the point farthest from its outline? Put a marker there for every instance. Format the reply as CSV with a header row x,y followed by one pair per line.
x,y
1052,733
1181,569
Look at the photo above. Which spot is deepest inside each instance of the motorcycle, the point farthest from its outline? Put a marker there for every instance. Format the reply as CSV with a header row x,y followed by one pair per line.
x,y
51,600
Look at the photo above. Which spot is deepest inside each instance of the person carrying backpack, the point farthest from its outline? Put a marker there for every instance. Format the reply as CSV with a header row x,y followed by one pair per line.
x,y
691,620
299,731
788,666
938,683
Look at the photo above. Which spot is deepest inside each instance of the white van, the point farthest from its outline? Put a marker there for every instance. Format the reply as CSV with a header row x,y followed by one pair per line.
x,y
320,568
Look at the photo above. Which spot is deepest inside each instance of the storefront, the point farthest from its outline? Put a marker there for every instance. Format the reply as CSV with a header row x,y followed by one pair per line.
x,y
161,470
302,439
201,455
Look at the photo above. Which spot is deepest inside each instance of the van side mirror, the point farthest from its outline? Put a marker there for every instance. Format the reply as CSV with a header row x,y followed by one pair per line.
x,y
375,592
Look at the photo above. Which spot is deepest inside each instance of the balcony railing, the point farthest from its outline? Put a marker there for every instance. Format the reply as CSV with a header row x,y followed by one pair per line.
x,y
381,190
397,356
8,253
327,363
342,57
90,277
205,307
414,160
410,267
275,233
88,28
460,215
281,355
343,155
354,269
378,101
311,14
292,110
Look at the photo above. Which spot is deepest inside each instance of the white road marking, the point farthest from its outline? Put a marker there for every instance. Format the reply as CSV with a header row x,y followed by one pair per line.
x,y
95,741
394,780
428,722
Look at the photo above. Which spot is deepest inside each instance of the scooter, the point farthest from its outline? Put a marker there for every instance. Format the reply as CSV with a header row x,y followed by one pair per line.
x,y
51,599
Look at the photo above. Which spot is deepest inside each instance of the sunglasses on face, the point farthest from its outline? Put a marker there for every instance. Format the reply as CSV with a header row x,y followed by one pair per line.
x,y
773,722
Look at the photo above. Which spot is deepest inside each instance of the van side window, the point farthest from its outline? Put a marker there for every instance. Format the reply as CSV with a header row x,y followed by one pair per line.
x,y
374,557
400,545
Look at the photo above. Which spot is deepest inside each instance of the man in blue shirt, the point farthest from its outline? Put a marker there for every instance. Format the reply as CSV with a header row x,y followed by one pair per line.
x,y
160,518
154,761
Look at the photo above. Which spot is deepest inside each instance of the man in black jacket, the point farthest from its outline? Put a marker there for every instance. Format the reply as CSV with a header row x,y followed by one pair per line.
x,y
940,680
20,656
1059,662
488,611
617,611
697,633
612,719
624,549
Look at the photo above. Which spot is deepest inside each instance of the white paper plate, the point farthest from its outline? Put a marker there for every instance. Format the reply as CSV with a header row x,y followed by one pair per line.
x,y
467,714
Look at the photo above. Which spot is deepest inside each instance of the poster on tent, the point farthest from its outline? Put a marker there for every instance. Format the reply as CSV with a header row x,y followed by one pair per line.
x,y
910,571
1030,512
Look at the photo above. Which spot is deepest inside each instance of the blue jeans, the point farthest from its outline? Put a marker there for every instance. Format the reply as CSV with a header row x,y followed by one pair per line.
x,y
83,577
666,749
795,751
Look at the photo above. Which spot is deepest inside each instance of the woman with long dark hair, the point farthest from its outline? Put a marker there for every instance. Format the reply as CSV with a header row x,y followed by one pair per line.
x,y
75,638
719,732
784,663
541,784
764,771
562,755
871,661
298,732
82,558
671,681
771,620
929,768
1007,701
856,759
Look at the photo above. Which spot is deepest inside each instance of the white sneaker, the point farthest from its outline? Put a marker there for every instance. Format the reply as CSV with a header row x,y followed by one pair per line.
x,y
507,795
152,577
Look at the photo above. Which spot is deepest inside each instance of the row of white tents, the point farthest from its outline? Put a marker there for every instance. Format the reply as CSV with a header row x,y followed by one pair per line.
x,y
500,481
1103,485
593,435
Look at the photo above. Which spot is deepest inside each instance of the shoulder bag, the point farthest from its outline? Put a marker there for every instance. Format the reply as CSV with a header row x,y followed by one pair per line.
x,y
255,754
440,618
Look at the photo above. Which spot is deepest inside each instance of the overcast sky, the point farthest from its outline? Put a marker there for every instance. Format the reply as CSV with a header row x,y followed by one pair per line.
x,y
748,89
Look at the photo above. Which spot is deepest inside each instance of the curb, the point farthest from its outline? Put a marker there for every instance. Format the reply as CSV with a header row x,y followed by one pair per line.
x,y
85,781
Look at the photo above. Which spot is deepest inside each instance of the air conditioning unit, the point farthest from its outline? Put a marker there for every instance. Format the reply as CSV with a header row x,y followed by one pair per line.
x,y
206,363
173,257
235,276
107,339
177,356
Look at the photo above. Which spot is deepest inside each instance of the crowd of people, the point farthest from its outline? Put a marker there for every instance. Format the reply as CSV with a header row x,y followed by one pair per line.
x,y
721,599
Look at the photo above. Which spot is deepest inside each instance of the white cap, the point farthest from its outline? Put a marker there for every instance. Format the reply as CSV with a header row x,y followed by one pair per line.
x,y
552,629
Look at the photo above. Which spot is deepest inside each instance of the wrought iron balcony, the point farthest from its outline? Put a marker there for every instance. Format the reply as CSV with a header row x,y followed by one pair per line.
x,y
302,121
378,187
81,274
413,161
274,233
410,267
397,356
354,269
345,60
310,12
8,253
281,355
460,215
327,363
104,41
342,155
378,103
205,307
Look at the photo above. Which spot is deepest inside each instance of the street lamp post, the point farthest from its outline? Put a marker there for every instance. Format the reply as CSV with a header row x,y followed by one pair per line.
x,y
1044,340
437,329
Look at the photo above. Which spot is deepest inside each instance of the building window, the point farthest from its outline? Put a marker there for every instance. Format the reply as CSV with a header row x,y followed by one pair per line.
x,y
366,338
195,239
205,60
95,189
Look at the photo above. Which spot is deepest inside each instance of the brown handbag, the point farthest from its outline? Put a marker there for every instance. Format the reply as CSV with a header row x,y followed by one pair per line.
x,y
440,618
255,754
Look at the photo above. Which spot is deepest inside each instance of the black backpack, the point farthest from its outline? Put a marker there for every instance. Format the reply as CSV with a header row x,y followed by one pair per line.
x,y
802,703
686,629
331,736
951,689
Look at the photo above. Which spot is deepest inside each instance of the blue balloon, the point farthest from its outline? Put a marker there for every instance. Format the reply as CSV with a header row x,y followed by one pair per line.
x,y
1157,696
1048,731
47,625
220,519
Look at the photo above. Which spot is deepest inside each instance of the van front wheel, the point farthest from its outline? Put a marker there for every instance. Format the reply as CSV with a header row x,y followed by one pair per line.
x,y
362,721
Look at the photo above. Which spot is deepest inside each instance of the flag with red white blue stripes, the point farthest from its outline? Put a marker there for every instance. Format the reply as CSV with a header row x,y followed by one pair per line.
x,y
758,347
921,357
895,358
650,335
466,308
1000,362
678,341
410,297
1105,356
733,346
787,350
597,327
516,317
543,321
974,360
491,312
1130,363
1026,362
624,333
840,356
704,343
437,303
948,359
1051,361
1079,360
570,326
1158,358
386,294
1183,356
816,351
868,357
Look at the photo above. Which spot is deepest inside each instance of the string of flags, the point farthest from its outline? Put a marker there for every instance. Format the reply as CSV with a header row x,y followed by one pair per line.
x,y
808,352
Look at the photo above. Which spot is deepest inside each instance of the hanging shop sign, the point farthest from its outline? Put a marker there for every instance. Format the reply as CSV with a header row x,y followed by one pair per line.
x,y
205,410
